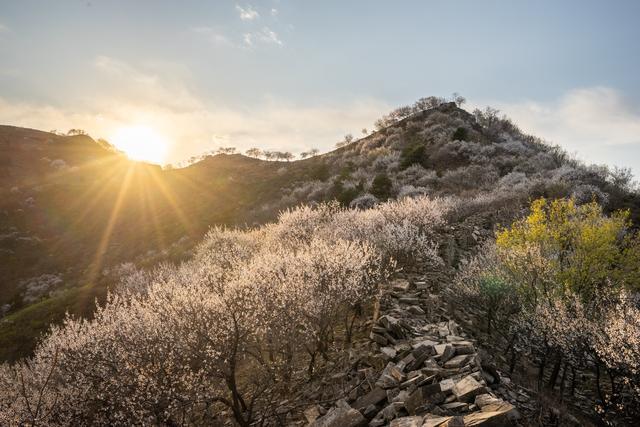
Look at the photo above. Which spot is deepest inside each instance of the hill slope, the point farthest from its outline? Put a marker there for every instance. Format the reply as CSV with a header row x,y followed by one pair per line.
x,y
71,208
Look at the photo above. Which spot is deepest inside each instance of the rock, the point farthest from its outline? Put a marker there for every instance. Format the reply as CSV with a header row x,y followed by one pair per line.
x,y
467,389
414,309
434,420
388,352
378,338
312,413
374,397
370,411
391,410
407,422
464,348
457,362
454,422
446,386
340,417
447,353
432,394
487,419
424,341
455,406
488,403
413,402
401,285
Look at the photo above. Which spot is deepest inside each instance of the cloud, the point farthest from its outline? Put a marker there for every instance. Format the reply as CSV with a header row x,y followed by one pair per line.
x,y
264,36
136,96
274,12
598,123
247,13
4,29
213,36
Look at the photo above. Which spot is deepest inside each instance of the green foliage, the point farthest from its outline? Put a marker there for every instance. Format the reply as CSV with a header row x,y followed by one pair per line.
x,y
584,250
381,186
412,155
461,134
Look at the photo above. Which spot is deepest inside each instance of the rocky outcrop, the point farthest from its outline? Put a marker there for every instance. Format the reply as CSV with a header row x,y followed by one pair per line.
x,y
432,374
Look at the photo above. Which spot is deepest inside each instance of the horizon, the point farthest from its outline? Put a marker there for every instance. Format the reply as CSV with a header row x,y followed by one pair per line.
x,y
295,76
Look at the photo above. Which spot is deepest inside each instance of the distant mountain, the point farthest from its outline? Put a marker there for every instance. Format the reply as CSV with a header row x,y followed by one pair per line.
x,y
72,209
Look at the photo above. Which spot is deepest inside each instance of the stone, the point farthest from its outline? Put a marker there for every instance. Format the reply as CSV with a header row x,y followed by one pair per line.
x,y
446,386
447,353
454,338
413,402
412,381
439,348
487,419
457,362
391,410
401,285
464,348
454,422
414,309
432,394
374,397
424,341
467,389
388,352
407,422
312,413
488,403
455,406
340,417
431,420
370,411
378,338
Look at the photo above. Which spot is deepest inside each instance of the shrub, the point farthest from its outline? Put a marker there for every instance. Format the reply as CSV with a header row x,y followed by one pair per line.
x,y
381,186
412,155
460,134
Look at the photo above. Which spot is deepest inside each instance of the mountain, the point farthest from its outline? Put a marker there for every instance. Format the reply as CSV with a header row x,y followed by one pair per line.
x,y
73,209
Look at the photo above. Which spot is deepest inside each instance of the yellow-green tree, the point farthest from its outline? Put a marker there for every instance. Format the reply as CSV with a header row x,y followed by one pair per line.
x,y
562,247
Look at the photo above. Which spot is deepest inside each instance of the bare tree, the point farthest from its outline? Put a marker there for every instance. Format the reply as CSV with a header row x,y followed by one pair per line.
x,y
254,152
226,150
458,99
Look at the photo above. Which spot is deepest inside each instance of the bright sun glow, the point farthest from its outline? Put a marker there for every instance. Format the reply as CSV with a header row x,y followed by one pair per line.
x,y
141,143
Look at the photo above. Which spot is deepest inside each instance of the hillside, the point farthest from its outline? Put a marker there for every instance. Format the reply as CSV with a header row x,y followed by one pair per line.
x,y
72,209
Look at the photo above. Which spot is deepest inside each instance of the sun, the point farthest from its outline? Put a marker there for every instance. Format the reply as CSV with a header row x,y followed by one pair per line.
x,y
141,143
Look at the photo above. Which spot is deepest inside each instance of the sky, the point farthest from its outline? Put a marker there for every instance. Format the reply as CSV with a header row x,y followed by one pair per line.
x,y
294,74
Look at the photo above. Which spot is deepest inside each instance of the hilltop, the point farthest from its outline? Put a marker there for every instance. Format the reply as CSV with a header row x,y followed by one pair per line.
x,y
72,209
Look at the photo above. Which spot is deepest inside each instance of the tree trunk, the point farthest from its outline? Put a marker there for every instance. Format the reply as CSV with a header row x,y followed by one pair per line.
x,y
554,374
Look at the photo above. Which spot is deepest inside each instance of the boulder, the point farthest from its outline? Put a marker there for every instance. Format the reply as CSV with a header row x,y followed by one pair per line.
x,y
457,362
340,416
448,352
407,422
467,389
374,397
431,420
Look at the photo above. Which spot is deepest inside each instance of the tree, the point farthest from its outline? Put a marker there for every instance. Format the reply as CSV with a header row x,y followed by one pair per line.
x,y
364,131
75,132
288,156
226,150
314,152
458,99
381,186
254,152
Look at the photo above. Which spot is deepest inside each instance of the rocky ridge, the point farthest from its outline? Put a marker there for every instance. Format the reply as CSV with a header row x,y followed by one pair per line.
x,y
433,374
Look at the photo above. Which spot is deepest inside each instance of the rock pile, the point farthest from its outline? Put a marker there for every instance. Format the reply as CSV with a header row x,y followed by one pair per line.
x,y
432,374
